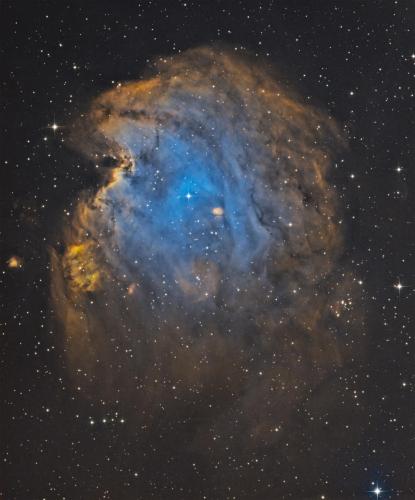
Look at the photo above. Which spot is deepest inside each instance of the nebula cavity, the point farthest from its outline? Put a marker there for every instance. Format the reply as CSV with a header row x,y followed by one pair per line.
x,y
209,259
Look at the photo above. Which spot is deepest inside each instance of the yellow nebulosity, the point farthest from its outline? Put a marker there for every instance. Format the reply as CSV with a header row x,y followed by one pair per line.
x,y
218,211
15,262
144,85
81,268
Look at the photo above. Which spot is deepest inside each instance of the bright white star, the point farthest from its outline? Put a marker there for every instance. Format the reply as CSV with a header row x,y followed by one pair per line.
x,y
377,491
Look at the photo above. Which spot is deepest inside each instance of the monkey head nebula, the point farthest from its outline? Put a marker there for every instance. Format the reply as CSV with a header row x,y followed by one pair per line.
x,y
204,275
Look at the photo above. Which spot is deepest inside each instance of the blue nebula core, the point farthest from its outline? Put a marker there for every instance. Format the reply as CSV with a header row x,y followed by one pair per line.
x,y
180,206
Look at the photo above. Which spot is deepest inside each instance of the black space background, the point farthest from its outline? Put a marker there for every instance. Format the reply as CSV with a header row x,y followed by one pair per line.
x,y
350,57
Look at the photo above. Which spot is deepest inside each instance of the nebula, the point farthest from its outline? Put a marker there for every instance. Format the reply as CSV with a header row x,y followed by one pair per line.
x,y
207,265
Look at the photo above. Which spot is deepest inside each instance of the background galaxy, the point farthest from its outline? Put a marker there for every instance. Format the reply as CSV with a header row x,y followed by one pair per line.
x,y
208,252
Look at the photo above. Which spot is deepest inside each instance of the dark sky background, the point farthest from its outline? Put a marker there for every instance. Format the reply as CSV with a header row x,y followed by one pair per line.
x,y
355,59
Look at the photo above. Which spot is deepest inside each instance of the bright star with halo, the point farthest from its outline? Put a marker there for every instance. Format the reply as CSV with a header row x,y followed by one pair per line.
x,y
377,491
